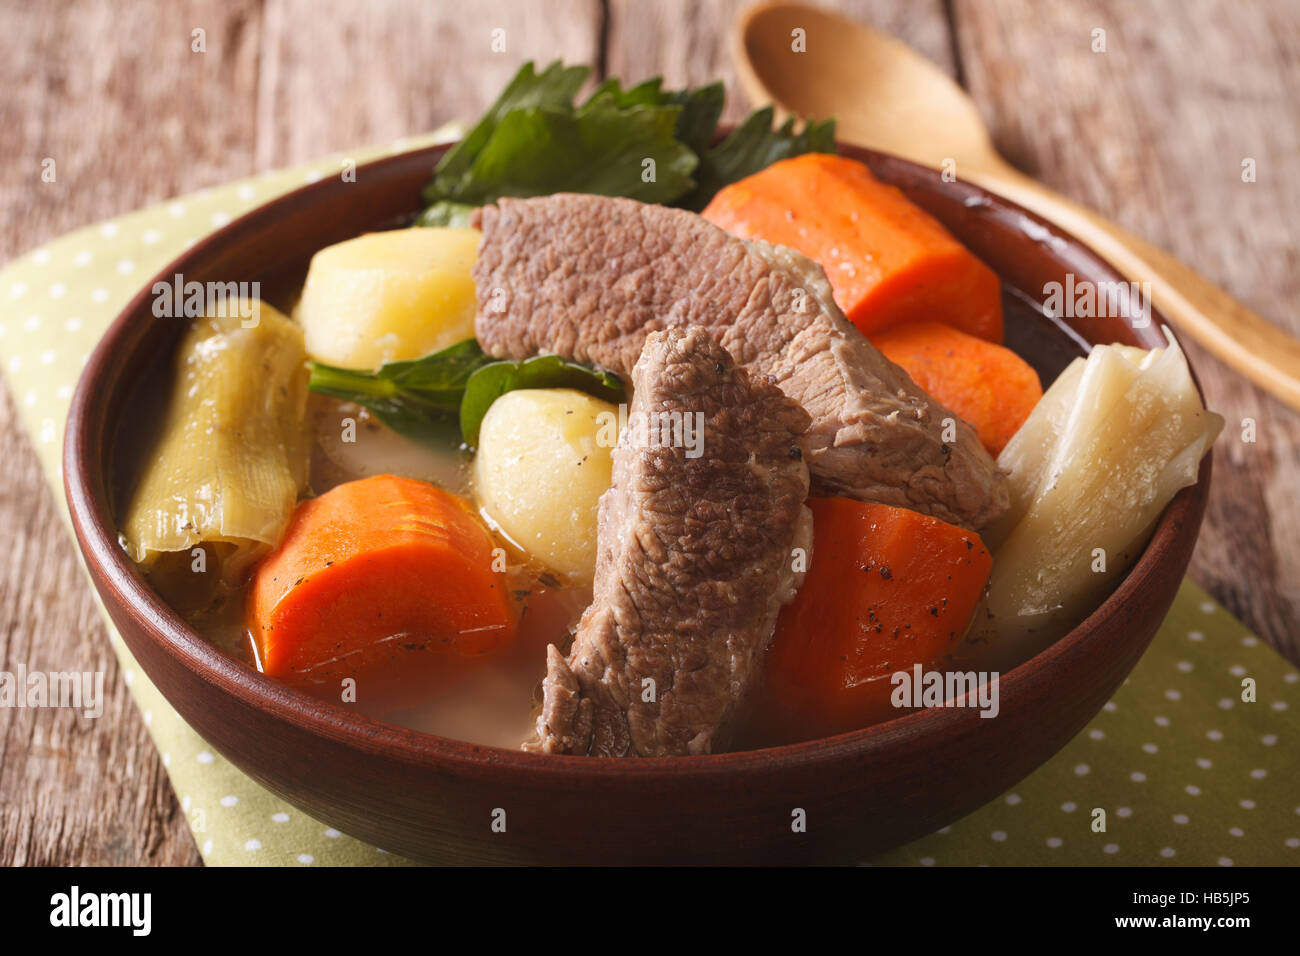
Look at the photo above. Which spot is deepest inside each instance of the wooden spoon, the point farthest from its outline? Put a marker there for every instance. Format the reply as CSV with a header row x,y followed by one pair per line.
x,y
886,96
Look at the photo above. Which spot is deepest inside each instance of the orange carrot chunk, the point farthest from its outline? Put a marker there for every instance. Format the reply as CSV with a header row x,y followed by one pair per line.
x,y
888,588
991,387
386,580
889,262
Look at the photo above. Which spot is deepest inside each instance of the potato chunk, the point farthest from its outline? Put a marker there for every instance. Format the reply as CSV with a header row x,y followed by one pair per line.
x,y
543,462
1091,469
389,296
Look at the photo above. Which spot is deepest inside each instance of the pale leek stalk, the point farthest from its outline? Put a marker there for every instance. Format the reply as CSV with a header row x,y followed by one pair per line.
x,y
1091,469
232,458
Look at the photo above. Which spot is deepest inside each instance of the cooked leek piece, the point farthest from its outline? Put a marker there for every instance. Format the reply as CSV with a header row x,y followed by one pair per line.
x,y
232,456
1091,469
1023,457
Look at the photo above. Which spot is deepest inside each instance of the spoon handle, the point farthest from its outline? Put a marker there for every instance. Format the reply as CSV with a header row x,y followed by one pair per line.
x,y
1247,342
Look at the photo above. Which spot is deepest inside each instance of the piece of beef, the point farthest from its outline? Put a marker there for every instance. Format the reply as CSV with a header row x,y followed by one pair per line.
x,y
588,277
695,559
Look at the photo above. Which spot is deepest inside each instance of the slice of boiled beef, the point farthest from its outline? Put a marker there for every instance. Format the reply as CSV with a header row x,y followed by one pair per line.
x,y
589,277
695,557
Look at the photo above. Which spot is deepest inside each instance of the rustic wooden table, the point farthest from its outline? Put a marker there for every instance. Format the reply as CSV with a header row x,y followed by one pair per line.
x,y
1152,133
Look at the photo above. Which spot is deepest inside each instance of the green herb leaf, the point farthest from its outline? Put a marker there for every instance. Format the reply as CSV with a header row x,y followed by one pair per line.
x,y
701,109
423,397
490,382
555,86
646,93
754,146
600,148
534,141
413,397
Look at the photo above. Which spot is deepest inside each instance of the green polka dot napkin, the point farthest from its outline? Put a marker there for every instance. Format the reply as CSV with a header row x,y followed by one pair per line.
x,y
1185,771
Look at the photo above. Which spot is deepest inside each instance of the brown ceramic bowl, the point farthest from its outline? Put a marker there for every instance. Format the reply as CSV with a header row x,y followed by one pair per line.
x,y
433,799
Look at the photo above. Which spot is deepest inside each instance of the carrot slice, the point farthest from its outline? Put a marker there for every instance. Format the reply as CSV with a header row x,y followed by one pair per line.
x,y
386,580
990,386
889,262
888,588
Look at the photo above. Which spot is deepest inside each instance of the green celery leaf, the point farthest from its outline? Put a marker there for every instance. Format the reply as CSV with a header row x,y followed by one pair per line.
x,y
555,86
646,93
600,148
533,141
701,108
490,382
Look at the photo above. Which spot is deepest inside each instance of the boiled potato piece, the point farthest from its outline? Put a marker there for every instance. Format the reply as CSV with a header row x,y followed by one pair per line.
x,y
1099,461
541,467
389,296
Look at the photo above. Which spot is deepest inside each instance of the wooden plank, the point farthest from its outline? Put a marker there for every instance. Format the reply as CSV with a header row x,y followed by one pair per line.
x,y
117,97
1152,133
340,74
688,41
131,114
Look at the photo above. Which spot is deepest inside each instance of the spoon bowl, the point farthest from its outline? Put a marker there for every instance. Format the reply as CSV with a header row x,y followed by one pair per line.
x,y
881,93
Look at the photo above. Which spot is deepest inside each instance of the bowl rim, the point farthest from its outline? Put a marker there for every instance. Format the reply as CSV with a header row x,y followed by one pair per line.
x,y
85,471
